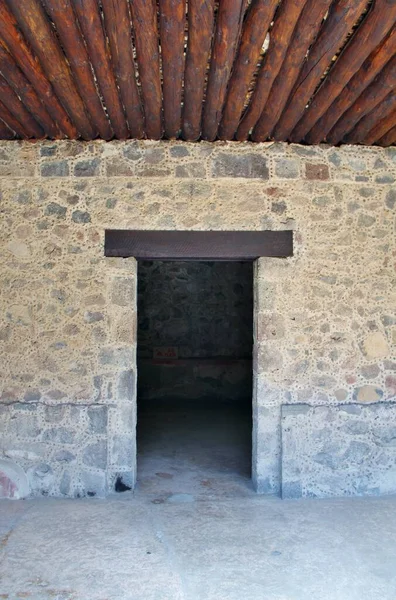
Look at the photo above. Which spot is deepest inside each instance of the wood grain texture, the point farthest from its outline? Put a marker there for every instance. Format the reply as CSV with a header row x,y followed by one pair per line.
x,y
367,101
25,91
304,34
62,14
144,20
228,27
255,27
340,20
285,22
29,126
11,120
5,132
118,28
376,25
91,26
31,68
361,132
331,124
172,24
382,127
37,30
195,245
388,139
200,28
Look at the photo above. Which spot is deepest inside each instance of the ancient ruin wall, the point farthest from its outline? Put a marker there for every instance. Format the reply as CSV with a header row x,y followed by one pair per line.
x,y
325,319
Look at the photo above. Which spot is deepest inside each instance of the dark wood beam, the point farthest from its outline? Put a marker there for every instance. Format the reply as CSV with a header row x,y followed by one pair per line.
x,y
339,22
255,27
15,43
373,95
11,121
200,27
172,25
304,34
40,35
198,245
5,132
361,132
381,128
389,138
228,28
281,33
119,30
28,126
62,14
332,124
375,26
144,20
90,21
25,91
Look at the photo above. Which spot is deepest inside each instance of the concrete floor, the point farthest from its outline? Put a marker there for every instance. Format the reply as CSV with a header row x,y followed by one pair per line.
x,y
203,452
195,530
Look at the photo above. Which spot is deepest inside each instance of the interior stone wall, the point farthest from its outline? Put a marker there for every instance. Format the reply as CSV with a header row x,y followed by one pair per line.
x,y
325,323
203,312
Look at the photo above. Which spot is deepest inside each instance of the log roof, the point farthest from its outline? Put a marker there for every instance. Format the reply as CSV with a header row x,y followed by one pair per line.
x,y
306,71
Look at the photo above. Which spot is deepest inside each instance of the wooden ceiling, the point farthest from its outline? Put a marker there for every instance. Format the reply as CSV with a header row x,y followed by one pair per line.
x,y
304,71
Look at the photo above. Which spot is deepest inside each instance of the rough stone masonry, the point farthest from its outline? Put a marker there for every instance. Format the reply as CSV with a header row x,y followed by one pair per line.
x,y
325,322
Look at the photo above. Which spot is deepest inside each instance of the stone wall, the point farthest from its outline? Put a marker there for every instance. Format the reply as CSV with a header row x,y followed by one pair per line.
x,y
325,326
203,311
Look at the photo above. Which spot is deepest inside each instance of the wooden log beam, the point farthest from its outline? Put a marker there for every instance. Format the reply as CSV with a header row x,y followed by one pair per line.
x,y
388,139
5,132
361,132
304,34
339,22
25,91
228,27
286,19
40,35
200,28
172,24
255,27
332,125
381,128
119,30
90,21
366,38
31,68
11,121
382,85
62,14
144,19
9,98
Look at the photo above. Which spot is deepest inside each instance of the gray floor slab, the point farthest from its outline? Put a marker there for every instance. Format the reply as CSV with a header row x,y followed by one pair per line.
x,y
130,548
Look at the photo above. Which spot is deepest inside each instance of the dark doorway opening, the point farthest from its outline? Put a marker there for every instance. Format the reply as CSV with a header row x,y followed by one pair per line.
x,y
194,397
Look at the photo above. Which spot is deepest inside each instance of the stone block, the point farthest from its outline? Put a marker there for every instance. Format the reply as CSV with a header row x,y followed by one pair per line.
x,y
123,451
286,168
375,346
317,171
59,435
93,484
87,168
97,416
59,168
95,455
123,291
126,388
250,166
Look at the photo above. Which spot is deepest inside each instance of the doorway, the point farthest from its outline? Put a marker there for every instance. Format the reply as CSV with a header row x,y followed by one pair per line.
x,y
194,389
